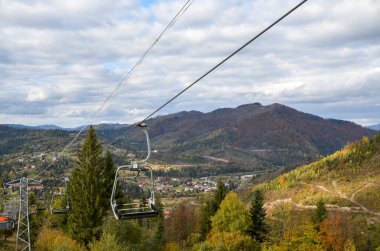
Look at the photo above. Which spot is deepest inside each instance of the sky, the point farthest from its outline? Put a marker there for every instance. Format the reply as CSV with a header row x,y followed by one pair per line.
x,y
60,59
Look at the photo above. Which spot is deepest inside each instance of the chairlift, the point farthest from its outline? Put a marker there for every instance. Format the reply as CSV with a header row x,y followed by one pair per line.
x,y
40,199
59,199
8,212
137,183
6,223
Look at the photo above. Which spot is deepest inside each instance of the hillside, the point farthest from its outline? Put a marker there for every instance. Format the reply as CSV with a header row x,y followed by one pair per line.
x,y
348,181
253,133
250,137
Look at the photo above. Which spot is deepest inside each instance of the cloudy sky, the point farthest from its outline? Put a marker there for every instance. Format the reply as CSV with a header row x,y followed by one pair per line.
x,y
60,59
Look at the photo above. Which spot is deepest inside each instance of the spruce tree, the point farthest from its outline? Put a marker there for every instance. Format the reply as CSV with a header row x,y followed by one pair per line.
x,y
319,214
108,174
211,207
88,191
258,229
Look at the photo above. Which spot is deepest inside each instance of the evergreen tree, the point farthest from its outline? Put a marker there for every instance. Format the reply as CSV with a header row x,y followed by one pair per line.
x,y
320,214
258,229
211,207
220,192
108,177
159,220
88,191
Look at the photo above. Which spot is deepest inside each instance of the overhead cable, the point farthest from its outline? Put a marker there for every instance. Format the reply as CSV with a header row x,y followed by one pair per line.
x,y
211,70
183,9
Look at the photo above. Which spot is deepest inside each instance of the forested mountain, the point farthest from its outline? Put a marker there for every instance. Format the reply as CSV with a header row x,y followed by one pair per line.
x,y
252,133
248,137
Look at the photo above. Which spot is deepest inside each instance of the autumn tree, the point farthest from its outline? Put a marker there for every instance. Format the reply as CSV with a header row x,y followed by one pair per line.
x,y
258,229
182,222
231,216
228,241
335,232
54,239
105,243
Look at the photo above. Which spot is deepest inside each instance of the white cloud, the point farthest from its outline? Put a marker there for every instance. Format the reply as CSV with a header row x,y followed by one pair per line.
x,y
60,59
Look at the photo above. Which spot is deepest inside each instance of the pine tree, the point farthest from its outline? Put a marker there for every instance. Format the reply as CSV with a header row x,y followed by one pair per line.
x,y
258,229
319,215
108,177
220,192
211,207
159,221
88,191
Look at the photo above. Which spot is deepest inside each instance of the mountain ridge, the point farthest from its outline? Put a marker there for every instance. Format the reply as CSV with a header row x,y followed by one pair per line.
x,y
375,127
249,136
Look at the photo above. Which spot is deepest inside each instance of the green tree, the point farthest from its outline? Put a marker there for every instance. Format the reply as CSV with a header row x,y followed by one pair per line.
x,y
108,174
159,221
211,207
231,216
258,229
88,191
105,243
319,215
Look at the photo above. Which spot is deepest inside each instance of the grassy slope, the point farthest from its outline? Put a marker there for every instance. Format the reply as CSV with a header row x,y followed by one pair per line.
x,y
349,183
347,178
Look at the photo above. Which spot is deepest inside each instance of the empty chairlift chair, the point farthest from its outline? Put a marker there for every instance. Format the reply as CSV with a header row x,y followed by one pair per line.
x,y
59,199
137,188
39,201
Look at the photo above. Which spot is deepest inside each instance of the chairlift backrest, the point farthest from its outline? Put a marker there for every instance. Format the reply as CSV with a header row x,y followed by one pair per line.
x,y
133,208
58,197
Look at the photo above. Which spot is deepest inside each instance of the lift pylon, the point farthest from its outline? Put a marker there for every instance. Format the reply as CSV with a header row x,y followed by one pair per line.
x,y
23,229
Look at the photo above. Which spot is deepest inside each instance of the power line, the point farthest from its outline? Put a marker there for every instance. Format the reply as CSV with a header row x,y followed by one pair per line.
x,y
178,15
211,70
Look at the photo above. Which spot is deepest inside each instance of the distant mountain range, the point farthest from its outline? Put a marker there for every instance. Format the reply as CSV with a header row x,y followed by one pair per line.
x,y
248,136
374,127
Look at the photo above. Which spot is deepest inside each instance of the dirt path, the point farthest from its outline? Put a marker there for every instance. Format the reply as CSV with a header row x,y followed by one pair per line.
x,y
359,208
339,193
217,159
364,187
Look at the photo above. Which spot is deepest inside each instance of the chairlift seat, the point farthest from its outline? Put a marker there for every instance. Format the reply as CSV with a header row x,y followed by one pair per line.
x,y
6,223
60,211
126,214
135,210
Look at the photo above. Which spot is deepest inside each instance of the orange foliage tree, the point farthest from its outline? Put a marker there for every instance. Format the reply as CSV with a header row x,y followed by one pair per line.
x,y
335,232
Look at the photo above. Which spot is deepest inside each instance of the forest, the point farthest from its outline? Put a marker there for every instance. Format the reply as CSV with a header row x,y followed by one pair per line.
x,y
330,204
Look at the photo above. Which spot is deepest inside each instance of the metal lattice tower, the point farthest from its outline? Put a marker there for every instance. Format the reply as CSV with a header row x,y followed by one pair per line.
x,y
23,230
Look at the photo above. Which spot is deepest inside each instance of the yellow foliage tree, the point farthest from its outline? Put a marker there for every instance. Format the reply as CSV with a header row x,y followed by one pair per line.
x,y
107,242
171,246
229,241
53,239
231,216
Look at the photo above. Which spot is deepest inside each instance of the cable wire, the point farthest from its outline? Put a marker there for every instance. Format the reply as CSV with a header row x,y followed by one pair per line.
x,y
133,126
212,69
178,15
